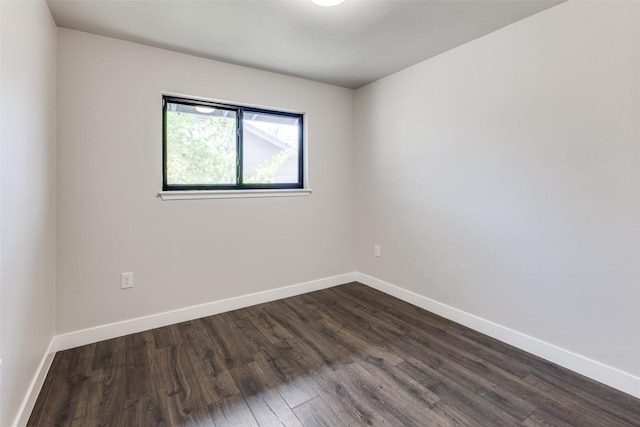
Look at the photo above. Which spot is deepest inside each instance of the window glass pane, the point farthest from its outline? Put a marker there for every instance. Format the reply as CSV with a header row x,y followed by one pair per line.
x,y
201,145
271,146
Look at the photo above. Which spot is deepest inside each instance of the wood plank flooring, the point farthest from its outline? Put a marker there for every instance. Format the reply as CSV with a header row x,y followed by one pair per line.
x,y
345,356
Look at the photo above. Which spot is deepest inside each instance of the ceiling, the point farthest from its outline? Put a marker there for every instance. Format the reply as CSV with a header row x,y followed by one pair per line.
x,y
348,45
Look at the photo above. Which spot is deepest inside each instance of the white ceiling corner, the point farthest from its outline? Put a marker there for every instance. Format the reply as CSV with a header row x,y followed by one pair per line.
x,y
349,45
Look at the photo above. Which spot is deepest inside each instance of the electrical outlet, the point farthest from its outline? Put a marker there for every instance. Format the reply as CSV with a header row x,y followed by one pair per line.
x,y
126,281
376,250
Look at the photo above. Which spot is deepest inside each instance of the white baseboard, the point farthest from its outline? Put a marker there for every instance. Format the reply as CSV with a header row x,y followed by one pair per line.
x,y
29,401
608,375
595,370
118,329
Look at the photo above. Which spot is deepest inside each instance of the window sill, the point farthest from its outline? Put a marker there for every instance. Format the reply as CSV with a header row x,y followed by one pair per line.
x,y
232,194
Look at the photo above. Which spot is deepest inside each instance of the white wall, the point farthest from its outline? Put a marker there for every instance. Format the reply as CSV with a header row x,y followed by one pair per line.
x,y
503,178
183,253
27,261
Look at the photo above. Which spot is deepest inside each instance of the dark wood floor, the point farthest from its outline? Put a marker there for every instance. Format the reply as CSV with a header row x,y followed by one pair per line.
x,y
344,356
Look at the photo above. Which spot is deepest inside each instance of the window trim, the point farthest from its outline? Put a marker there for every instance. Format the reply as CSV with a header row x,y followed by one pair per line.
x,y
225,189
232,194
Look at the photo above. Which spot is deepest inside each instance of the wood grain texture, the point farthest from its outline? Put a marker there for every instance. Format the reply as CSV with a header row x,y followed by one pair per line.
x,y
348,355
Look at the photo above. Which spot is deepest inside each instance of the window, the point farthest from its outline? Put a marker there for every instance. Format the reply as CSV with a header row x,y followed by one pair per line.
x,y
213,146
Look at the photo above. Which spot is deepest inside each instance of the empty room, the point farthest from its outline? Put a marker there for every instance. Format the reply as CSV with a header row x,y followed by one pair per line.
x,y
319,213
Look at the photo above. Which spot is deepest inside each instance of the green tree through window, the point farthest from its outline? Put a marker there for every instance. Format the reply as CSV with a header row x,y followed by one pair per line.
x,y
200,149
